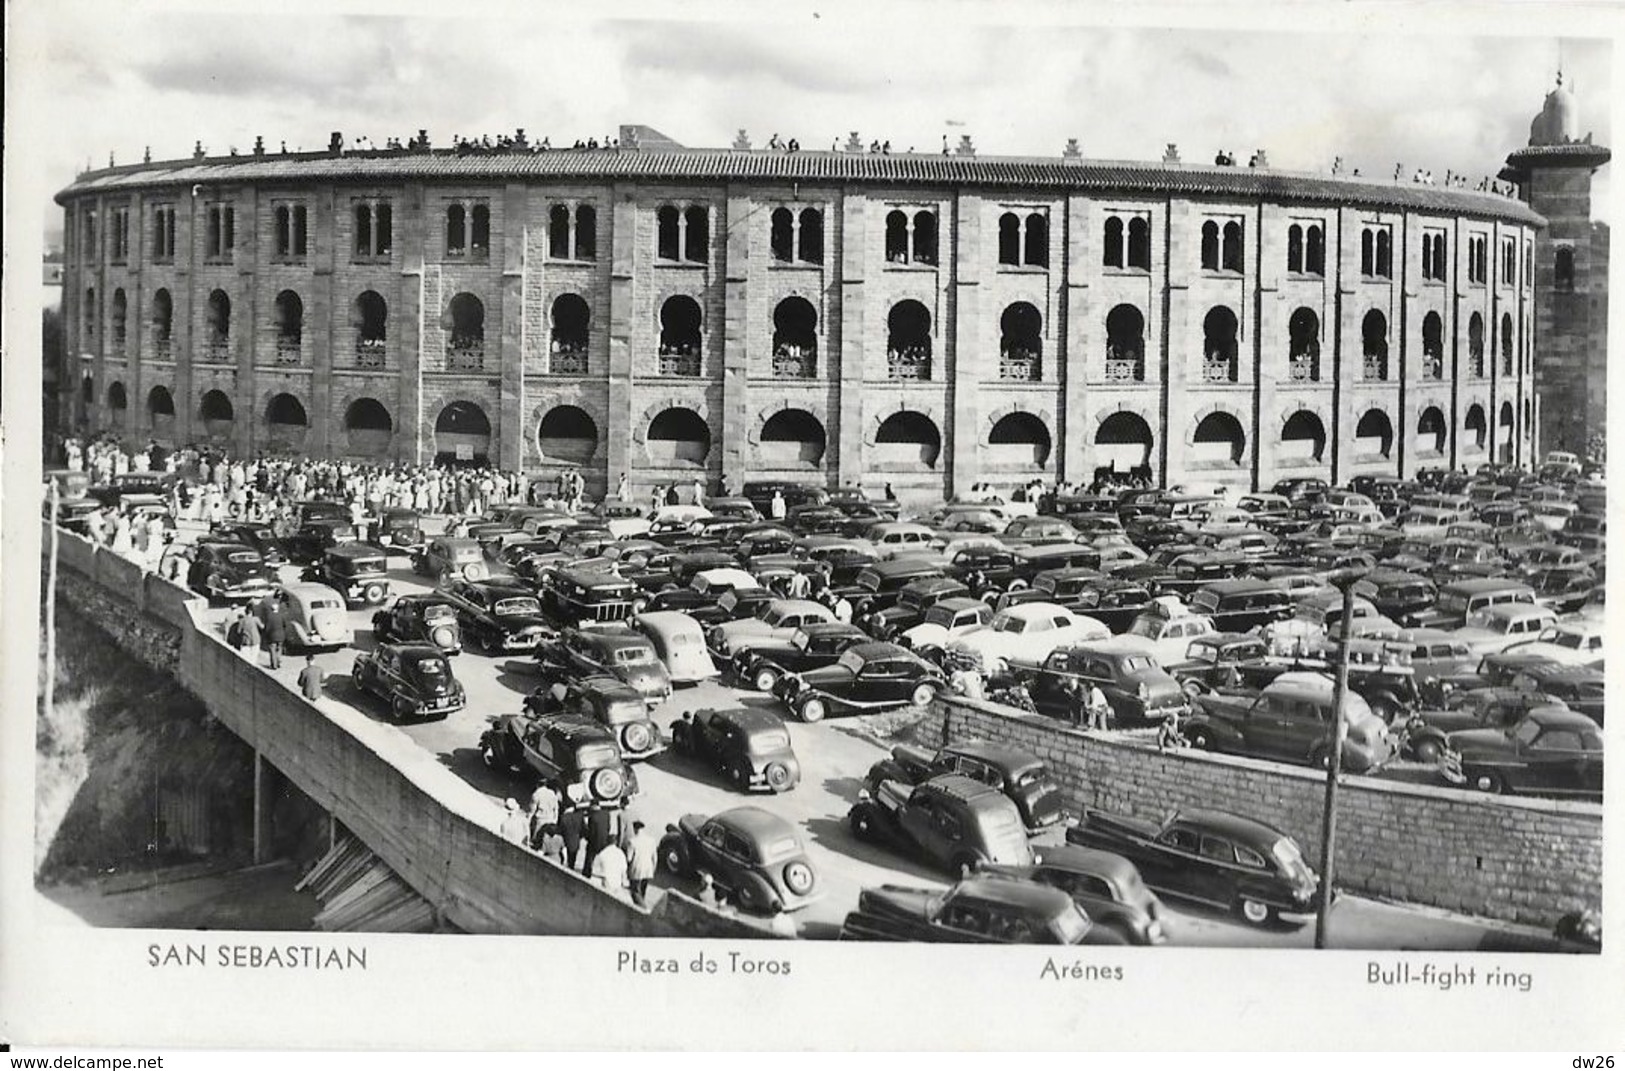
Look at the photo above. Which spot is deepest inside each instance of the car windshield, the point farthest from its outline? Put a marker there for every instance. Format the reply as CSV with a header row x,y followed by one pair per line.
x,y
1147,626
850,660
517,606
868,580
1452,602
438,611
1526,731
1009,623
624,711
938,616
594,756
1562,638
634,656
243,557
432,667
322,604
1070,925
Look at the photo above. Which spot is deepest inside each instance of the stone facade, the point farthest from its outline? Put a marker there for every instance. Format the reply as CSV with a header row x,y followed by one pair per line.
x,y
804,364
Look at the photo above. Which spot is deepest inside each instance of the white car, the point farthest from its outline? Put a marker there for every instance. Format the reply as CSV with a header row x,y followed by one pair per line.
x,y
945,622
1028,631
1574,643
1495,628
1166,639
1119,556
778,619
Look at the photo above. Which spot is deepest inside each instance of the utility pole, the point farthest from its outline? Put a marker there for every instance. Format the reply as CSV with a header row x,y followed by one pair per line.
x,y
49,691
1328,829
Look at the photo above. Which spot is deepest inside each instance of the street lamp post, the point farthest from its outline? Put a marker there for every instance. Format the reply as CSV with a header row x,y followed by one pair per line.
x,y
1334,763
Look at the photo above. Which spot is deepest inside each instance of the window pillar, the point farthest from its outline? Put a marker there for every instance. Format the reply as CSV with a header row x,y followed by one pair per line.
x,y
682,233
570,208
908,240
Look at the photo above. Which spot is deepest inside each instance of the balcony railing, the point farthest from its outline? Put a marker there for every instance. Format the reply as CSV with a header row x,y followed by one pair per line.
x,y
1125,364
369,353
791,361
1021,364
465,355
1432,366
567,359
1475,364
217,351
163,349
682,359
1375,366
911,362
1305,367
290,350
1217,368
120,343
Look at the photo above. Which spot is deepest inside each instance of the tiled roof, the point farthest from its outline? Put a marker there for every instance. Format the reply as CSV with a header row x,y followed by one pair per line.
x,y
712,165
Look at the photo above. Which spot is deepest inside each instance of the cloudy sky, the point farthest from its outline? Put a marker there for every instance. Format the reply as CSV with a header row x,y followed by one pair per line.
x,y
1429,91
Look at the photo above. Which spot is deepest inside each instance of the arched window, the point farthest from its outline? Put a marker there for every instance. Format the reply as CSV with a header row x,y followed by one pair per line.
x,y
697,239
680,336
1477,426
1374,435
163,323
678,437
1210,246
1125,345
160,402
1475,346
792,439
1219,441
558,232
370,318
1563,270
1374,345
456,231
1019,442
586,233
1432,346
667,245
1368,252
1009,238
462,435
90,314
1139,243
1506,433
121,317
215,413
465,341
1232,246
1294,248
1112,245
568,434
367,414
1021,344
781,236
1432,432
1506,344
287,410
795,339
925,237
1220,353
217,344
896,237
810,237
289,311
479,237
907,441
1303,437
570,327
908,341
1441,260
1314,254
1037,242
1303,332
1385,253
117,398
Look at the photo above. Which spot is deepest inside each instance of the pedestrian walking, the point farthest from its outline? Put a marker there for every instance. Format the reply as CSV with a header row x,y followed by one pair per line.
x,y
776,506
250,632
843,609
643,855
276,632
514,827
609,867
550,844
311,679
601,833
573,832
234,630
544,810
1099,709
699,491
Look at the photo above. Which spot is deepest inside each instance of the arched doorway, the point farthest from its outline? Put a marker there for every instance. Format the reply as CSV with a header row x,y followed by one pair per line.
x,y
1504,433
1220,441
1432,432
1123,444
462,435
907,442
1373,436
216,416
567,435
1303,438
161,410
792,439
286,423
1019,442
1477,427
368,428
678,437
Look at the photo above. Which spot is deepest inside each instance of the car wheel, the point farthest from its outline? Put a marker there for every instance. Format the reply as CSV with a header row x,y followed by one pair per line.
x,y
1427,751
373,593
401,708
862,821
674,856
765,679
923,694
1488,781
1255,912
739,774
778,777
1202,740
812,710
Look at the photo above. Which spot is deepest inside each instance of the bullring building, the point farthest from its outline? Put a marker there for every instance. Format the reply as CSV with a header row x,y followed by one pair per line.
x,y
928,321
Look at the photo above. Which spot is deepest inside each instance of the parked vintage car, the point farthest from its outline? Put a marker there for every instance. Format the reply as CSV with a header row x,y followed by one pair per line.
x,y
311,539
1565,589
622,653
497,615
1574,643
1462,598
611,703
762,663
1552,751
1291,720
755,855
915,598
1580,687
750,747
255,534
1028,631
774,619
229,572
1214,661
574,754
1216,857
356,571
399,530
316,617
448,556
414,679
571,595
1425,734
1495,628
1022,777
420,619
679,642
1105,886
1139,691
866,677
1165,633
980,910
944,622
952,822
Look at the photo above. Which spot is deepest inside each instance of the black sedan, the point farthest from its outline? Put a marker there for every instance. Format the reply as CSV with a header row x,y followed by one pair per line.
x,y
761,663
420,619
414,679
867,677
979,910
751,747
752,853
497,615
250,534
